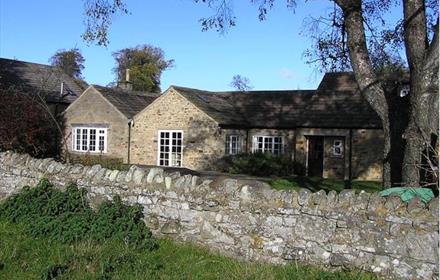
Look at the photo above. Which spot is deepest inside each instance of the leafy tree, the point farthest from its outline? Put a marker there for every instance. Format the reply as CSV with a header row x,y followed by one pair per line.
x,y
241,83
145,63
357,35
70,61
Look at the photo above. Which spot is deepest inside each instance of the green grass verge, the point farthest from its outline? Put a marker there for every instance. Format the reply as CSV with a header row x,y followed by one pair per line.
x,y
24,257
315,184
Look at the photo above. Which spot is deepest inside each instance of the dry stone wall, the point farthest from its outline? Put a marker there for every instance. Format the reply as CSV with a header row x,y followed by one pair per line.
x,y
249,220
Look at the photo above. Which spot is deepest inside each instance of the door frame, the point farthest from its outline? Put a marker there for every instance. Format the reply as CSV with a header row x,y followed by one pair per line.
x,y
307,152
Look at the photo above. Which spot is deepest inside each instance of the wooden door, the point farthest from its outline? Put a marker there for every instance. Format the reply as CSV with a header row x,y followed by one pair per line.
x,y
315,156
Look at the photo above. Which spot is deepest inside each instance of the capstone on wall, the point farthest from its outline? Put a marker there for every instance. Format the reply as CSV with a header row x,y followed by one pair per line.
x,y
247,219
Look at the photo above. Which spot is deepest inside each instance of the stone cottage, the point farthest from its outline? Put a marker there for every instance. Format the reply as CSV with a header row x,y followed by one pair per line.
x,y
99,121
332,131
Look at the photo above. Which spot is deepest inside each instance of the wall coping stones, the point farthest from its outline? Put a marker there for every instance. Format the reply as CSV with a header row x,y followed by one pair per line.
x,y
248,219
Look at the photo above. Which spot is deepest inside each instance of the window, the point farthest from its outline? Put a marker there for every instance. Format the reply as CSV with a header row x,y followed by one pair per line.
x,y
404,91
233,144
268,144
89,139
170,148
337,148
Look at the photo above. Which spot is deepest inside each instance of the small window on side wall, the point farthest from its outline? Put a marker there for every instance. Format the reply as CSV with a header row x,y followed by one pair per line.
x,y
338,148
89,139
233,144
268,144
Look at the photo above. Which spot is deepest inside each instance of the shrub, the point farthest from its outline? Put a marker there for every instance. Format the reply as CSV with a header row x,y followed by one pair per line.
x,y
67,216
283,184
104,161
260,164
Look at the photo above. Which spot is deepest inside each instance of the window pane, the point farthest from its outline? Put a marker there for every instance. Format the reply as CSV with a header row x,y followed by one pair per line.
x,y
268,144
278,146
78,139
227,146
233,144
92,144
101,143
84,139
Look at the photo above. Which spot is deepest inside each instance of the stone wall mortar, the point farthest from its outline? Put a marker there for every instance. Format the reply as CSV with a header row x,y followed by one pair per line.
x,y
247,219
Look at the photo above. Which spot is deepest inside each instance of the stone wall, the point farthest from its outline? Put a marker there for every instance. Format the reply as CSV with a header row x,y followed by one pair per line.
x,y
247,219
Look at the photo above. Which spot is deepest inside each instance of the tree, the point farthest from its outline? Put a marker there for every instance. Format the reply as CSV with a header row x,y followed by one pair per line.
x,y
241,83
70,61
145,63
356,37
26,126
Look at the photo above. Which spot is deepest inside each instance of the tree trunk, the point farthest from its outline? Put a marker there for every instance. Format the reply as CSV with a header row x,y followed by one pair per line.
x,y
369,85
387,182
413,155
423,65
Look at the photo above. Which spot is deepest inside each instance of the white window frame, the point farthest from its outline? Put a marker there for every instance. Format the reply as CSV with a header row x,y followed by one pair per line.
x,y
84,147
170,145
335,146
265,140
238,140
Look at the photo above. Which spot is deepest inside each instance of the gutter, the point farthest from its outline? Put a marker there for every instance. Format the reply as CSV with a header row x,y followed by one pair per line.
x,y
350,158
130,124
247,141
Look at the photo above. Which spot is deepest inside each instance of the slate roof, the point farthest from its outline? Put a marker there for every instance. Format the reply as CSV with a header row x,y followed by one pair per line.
x,y
286,108
214,104
39,78
128,103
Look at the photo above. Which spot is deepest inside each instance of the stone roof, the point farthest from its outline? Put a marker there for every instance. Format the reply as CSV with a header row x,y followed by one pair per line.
x,y
128,103
214,104
285,108
34,78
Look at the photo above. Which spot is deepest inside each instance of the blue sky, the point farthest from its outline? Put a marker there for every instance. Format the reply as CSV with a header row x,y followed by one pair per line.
x,y
269,53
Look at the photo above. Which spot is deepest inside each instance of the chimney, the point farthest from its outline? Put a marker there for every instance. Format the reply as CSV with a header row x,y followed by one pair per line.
x,y
127,75
126,85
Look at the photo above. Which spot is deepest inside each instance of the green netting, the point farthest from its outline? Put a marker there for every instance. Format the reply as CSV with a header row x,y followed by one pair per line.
x,y
406,194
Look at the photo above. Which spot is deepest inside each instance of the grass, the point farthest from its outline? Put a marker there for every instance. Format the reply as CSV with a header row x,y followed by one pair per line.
x,y
315,184
23,257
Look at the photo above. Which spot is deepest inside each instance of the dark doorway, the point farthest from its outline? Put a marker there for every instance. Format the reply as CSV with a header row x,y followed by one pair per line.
x,y
315,156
